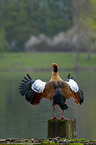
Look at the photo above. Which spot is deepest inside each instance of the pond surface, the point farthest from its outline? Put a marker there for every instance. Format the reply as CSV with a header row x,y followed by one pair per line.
x,y
19,119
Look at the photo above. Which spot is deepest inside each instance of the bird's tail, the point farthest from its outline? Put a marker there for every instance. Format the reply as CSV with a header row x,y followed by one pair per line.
x,y
59,99
25,85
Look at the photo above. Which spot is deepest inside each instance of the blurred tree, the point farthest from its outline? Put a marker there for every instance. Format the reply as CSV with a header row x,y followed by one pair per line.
x,y
3,43
87,20
84,14
21,19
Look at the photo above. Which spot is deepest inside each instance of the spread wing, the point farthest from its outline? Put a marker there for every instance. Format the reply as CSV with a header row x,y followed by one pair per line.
x,y
75,89
35,90
32,89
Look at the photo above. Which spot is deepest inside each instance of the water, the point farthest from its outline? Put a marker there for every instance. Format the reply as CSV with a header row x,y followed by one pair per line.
x,y
19,119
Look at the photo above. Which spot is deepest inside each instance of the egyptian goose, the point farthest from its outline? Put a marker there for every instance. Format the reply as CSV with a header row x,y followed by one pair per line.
x,y
57,90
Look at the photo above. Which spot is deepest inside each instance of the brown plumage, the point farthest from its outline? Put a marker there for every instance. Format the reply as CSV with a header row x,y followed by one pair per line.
x,y
57,90
55,79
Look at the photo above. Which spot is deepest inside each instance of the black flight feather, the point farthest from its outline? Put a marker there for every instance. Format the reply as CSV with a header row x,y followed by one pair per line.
x,y
68,77
30,95
29,76
25,85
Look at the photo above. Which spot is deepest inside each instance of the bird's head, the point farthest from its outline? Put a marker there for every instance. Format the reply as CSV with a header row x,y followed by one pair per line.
x,y
76,90
54,67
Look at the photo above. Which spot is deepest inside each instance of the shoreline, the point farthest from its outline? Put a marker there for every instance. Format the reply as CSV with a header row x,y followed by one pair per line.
x,y
47,141
83,69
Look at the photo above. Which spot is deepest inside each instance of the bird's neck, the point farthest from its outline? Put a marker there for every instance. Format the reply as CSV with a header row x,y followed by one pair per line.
x,y
55,76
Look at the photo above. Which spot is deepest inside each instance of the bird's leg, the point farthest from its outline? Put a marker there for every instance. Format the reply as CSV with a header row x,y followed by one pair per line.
x,y
54,113
63,115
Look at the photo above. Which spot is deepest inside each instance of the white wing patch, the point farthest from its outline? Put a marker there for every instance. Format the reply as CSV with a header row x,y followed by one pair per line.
x,y
38,86
73,85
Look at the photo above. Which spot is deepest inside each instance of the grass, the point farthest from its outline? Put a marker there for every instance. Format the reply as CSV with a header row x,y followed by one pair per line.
x,y
51,141
74,139
76,144
44,60
34,60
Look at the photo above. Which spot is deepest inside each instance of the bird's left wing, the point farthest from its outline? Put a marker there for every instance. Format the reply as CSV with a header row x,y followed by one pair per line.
x,y
25,85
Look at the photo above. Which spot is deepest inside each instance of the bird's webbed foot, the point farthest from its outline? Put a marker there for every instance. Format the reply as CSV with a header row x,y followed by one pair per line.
x,y
54,117
62,117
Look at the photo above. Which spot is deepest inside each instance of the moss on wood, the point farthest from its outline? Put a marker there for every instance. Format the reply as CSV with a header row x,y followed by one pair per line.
x,y
62,128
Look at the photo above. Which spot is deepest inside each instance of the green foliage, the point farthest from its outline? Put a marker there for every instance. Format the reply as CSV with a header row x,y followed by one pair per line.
x,y
76,144
73,139
50,143
3,42
92,140
46,143
21,19
92,15
78,139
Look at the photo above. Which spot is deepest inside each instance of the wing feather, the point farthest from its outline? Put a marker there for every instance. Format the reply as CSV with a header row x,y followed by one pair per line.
x,y
49,90
67,90
25,85
32,89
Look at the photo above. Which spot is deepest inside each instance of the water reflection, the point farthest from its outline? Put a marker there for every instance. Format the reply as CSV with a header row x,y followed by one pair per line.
x,y
19,119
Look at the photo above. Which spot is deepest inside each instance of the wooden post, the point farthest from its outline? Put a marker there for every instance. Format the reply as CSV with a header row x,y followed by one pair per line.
x,y
62,128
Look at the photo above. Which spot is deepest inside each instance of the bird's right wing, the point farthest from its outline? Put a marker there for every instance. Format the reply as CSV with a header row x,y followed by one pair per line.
x,y
75,89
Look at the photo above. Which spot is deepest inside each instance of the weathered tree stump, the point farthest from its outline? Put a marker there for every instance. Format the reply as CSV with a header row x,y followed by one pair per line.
x,y
62,128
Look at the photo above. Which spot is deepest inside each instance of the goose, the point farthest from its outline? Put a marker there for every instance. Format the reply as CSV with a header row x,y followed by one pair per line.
x,y
56,89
